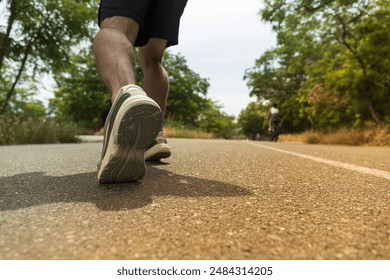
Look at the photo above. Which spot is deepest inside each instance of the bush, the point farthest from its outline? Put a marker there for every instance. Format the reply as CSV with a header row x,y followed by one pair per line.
x,y
26,130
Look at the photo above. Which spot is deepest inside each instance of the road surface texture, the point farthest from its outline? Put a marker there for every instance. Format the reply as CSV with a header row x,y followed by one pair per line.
x,y
213,199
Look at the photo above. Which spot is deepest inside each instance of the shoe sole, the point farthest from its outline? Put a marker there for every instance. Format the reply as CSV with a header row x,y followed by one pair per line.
x,y
157,152
138,128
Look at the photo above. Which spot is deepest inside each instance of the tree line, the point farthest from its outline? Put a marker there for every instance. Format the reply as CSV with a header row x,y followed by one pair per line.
x,y
329,69
331,65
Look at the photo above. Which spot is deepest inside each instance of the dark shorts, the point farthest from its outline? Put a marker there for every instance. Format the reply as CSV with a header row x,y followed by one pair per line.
x,y
275,120
156,18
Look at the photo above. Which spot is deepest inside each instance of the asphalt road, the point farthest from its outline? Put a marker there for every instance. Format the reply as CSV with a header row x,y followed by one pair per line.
x,y
213,199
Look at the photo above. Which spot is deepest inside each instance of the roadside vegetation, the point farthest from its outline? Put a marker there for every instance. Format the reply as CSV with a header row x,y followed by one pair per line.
x,y
375,136
329,74
18,130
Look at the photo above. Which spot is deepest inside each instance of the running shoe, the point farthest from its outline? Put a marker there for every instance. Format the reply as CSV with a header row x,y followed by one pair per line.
x,y
132,124
158,149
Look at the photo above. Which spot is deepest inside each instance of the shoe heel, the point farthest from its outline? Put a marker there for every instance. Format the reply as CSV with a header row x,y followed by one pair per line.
x,y
128,166
140,126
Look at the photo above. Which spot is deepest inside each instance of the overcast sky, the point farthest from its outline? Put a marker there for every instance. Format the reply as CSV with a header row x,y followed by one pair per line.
x,y
221,39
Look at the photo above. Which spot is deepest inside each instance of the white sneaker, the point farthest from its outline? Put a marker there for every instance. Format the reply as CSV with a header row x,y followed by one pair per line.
x,y
132,124
158,149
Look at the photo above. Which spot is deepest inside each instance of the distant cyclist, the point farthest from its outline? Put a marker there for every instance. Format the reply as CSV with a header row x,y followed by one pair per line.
x,y
273,116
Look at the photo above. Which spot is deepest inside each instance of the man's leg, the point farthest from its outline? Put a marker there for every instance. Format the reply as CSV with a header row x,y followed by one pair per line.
x,y
156,82
134,120
114,53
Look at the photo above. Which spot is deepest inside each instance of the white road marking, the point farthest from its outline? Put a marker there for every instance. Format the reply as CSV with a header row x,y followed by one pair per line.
x,y
348,166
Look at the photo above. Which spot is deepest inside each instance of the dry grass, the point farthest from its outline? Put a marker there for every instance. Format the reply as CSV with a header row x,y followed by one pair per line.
x,y
375,136
174,132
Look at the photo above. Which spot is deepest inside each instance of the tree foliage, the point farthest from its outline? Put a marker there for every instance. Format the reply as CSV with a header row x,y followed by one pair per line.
x,y
38,37
187,91
330,67
214,120
253,120
81,96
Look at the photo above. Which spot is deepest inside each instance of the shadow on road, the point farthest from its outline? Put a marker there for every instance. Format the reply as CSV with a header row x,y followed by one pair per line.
x,y
33,189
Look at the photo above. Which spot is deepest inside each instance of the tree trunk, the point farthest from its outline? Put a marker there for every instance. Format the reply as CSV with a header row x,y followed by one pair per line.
x,y
5,43
21,68
373,113
26,53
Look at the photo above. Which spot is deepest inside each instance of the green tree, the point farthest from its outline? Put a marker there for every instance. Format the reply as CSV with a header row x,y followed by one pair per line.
x,y
351,69
273,80
81,96
25,106
187,91
37,38
330,66
215,121
253,120
280,72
